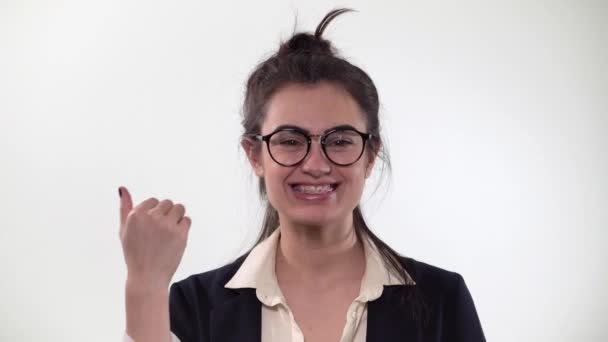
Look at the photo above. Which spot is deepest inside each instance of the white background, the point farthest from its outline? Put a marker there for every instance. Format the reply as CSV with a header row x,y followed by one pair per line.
x,y
495,113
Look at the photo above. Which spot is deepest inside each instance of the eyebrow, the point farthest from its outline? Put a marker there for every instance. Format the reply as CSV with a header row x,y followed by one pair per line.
x,y
298,128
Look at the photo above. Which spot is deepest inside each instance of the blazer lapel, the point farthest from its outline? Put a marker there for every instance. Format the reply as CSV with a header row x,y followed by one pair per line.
x,y
389,319
239,319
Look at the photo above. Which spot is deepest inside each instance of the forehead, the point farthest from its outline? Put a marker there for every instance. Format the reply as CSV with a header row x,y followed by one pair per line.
x,y
315,107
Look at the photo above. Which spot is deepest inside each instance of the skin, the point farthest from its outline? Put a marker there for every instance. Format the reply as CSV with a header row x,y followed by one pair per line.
x,y
319,259
153,235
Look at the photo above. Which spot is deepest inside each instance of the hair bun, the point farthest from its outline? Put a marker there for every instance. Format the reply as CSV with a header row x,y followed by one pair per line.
x,y
305,43
309,43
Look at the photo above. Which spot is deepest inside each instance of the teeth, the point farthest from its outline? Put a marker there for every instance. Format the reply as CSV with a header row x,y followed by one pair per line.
x,y
312,189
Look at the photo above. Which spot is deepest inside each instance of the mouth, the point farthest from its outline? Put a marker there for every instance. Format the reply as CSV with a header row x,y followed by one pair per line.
x,y
314,192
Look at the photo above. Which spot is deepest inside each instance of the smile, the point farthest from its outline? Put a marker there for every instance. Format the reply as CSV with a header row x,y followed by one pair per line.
x,y
313,193
314,189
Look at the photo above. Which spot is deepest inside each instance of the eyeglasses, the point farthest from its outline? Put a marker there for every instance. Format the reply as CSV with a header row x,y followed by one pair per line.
x,y
290,146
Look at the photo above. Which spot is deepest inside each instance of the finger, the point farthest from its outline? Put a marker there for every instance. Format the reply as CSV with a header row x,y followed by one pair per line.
x,y
184,224
147,204
176,213
162,207
126,203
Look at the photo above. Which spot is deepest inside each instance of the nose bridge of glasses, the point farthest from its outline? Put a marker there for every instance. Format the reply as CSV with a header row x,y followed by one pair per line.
x,y
320,150
317,137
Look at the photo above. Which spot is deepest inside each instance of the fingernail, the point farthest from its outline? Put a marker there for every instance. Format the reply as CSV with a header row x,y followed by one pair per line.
x,y
120,192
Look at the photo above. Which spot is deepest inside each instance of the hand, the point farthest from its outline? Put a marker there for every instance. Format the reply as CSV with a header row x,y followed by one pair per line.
x,y
153,237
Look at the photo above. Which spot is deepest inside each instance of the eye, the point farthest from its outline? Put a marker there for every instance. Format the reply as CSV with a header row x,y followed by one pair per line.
x,y
288,139
341,142
290,142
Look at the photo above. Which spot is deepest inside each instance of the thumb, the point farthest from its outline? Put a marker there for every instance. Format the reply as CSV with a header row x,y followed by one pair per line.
x,y
126,204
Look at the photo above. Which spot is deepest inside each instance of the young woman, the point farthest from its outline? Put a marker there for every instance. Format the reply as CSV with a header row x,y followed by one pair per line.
x,y
317,273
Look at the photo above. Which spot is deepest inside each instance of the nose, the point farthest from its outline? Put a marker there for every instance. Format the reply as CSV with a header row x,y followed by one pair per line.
x,y
315,163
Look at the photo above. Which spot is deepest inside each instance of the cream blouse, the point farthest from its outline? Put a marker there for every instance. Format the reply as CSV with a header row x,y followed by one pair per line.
x,y
278,323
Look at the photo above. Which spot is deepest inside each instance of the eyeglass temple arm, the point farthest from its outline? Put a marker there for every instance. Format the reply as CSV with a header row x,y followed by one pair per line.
x,y
256,136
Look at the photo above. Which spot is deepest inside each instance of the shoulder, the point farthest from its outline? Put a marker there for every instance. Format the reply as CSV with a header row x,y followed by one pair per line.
x,y
447,299
192,299
431,278
206,287
438,285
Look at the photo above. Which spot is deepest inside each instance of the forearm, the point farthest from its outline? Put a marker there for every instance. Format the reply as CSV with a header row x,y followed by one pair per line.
x,y
147,311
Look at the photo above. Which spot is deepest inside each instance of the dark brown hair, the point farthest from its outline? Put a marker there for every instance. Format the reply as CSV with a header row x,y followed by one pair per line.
x,y
308,58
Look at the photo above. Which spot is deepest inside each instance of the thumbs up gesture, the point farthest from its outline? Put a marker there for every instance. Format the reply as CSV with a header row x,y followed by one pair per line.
x,y
153,237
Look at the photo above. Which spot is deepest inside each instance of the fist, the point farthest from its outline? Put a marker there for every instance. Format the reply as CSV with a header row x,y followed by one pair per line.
x,y
153,236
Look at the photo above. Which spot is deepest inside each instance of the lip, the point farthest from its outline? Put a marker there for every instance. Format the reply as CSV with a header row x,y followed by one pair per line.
x,y
314,198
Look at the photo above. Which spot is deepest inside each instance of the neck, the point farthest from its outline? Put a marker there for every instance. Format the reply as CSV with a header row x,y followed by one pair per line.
x,y
329,252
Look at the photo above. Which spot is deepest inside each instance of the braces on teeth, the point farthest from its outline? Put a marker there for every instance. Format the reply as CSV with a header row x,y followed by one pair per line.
x,y
314,189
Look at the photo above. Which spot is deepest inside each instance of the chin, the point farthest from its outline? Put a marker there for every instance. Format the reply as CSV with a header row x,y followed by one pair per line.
x,y
311,222
313,217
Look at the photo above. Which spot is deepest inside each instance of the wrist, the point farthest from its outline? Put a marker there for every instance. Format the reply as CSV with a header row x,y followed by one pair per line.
x,y
137,284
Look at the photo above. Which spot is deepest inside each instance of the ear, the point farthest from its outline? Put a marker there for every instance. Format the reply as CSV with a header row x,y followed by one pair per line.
x,y
252,150
372,156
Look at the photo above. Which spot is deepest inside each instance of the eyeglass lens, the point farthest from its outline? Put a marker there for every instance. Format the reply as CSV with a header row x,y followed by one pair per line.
x,y
342,147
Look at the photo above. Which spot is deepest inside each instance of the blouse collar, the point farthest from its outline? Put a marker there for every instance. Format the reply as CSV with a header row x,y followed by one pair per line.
x,y
258,272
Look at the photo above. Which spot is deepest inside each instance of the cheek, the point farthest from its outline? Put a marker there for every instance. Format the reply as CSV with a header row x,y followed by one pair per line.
x,y
355,180
358,182
274,177
265,165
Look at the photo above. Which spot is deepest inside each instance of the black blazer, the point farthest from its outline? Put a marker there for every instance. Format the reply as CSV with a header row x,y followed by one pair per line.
x,y
202,310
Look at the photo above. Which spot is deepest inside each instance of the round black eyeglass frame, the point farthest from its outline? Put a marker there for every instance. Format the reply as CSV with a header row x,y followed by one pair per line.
x,y
266,138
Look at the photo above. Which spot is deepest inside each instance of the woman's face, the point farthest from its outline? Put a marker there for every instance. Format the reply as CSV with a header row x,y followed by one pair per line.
x,y
315,192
